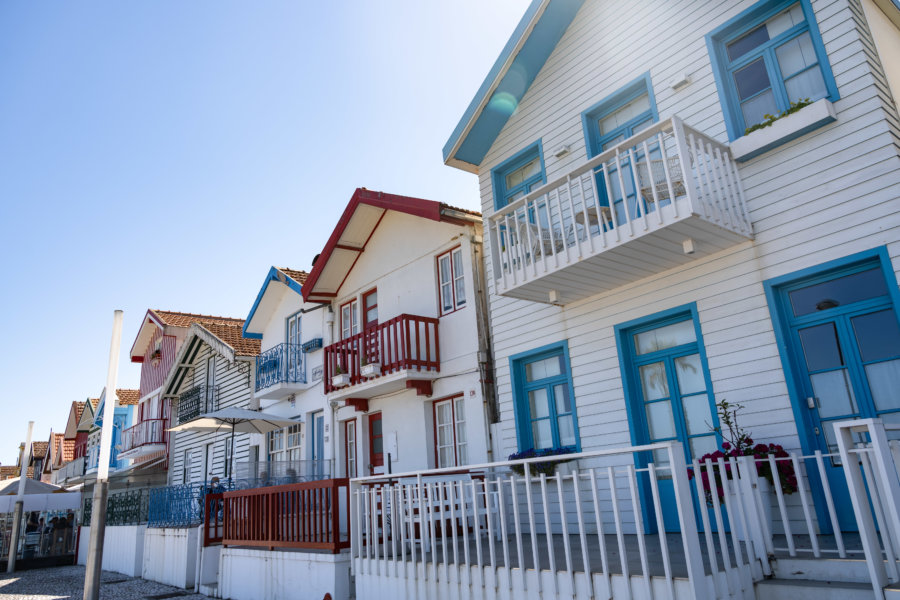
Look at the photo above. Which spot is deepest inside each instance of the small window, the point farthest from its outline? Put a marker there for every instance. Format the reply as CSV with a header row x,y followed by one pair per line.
x,y
450,442
370,308
451,281
349,319
229,457
350,447
620,116
766,59
518,175
544,402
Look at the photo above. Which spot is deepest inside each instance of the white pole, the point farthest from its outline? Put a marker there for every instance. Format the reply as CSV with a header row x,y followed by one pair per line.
x,y
20,502
98,506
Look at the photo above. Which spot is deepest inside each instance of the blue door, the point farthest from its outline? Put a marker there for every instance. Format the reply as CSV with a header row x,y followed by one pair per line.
x,y
843,340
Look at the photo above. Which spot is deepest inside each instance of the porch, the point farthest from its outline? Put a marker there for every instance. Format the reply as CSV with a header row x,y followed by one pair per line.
x,y
662,198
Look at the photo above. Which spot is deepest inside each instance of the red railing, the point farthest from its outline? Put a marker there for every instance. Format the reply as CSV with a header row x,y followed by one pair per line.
x,y
404,342
213,525
149,431
312,515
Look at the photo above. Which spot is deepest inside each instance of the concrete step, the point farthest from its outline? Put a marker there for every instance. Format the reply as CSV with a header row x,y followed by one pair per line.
x,y
801,589
821,569
211,590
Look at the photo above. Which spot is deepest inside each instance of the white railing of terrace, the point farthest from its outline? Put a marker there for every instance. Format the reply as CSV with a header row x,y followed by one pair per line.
x,y
669,172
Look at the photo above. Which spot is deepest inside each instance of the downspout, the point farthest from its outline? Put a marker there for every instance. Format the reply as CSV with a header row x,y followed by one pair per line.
x,y
485,354
328,334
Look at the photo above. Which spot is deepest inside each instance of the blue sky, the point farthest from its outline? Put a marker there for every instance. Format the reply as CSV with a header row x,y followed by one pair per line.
x,y
165,154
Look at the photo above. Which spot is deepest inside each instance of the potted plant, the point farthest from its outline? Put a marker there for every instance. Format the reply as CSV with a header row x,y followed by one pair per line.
x,y
340,378
156,356
369,366
547,468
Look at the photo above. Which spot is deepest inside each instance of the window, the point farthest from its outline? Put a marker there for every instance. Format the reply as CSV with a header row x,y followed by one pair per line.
x,y
294,354
543,398
186,466
518,175
766,58
284,444
229,457
350,447
619,116
210,385
451,281
349,319
450,442
370,308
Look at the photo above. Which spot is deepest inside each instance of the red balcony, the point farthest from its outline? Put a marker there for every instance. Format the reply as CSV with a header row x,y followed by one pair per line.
x,y
146,437
402,352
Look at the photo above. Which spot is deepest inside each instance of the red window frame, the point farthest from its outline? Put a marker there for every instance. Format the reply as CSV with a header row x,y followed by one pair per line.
x,y
366,307
379,462
434,425
452,282
349,329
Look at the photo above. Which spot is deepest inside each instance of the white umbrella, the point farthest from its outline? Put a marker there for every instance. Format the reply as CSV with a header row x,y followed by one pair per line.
x,y
236,419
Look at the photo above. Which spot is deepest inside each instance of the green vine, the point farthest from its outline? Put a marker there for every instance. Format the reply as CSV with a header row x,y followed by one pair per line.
x,y
769,119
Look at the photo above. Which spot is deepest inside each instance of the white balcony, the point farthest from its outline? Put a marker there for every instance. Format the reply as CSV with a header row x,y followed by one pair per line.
x,y
657,200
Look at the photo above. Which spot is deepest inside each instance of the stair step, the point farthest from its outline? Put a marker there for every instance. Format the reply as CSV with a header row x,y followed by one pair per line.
x,y
802,589
821,569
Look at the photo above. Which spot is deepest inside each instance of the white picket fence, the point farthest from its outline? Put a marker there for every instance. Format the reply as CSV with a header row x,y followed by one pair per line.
x,y
590,530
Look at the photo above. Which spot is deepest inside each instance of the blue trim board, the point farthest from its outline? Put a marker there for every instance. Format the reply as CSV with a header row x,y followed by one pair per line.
x,y
512,84
746,20
498,173
271,276
619,98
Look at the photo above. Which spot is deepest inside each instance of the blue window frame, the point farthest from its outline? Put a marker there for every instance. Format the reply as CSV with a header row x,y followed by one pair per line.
x,y
766,58
619,116
543,399
518,175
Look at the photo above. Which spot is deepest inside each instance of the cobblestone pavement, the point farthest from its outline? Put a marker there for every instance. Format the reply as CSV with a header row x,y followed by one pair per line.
x,y
68,583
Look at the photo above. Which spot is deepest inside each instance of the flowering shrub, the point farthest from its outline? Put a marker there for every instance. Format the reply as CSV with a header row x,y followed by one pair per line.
x,y
739,443
545,467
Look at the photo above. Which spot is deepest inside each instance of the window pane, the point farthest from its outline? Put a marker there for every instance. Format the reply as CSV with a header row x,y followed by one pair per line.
x,y
884,382
703,445
808,84
446,297
443,413
526,171
561,395
834,393
795,55
665,337
540,430
821,347
660,420
376,427
756,109
460,292
378,445
566,430
745,44
624,114
444,263
537,400
540,369
838,292
785,20
655,384
690,374
459,278
878,335
752,79
697,414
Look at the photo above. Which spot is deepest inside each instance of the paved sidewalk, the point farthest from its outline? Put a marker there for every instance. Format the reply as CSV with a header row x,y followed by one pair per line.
x,y
68,583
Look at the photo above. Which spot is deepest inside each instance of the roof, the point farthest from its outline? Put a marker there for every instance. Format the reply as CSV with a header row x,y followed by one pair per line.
x,y
169,318
298,276
523,56
79,408
290,280
128,397
68,451
38,449
357,225
232,335
94,402
11,471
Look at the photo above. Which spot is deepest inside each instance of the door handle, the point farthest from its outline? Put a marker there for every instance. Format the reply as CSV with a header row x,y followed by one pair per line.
x,y
812,402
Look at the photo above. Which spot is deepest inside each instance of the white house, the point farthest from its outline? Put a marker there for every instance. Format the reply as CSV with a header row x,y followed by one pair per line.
x,y
684,203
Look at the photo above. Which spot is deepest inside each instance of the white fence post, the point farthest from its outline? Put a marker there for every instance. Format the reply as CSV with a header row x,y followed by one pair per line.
x,y
690,536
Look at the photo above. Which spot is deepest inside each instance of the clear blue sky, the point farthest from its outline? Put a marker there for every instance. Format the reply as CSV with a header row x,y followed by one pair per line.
x,y
165,154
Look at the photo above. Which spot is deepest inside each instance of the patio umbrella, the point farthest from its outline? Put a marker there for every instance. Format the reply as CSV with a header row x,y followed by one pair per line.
x,y
238,420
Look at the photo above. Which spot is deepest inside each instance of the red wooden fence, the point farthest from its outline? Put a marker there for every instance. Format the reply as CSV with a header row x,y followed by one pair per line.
x,y
311,515
404,342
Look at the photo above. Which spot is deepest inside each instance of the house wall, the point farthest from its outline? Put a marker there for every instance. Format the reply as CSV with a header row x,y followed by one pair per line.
x,y
826,195
886,36
123,548
234,383
170,556
153,375
251,574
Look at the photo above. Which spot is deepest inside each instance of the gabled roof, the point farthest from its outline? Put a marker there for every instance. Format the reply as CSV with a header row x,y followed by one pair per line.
x,y
86,421
225,340
356,226
523,56
75,411
128,397
285,279
38,450
68,451
169,318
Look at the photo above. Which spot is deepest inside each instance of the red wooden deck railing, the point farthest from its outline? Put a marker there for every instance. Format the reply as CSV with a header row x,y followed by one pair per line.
x,y
404,342
213,525
148,431
312,515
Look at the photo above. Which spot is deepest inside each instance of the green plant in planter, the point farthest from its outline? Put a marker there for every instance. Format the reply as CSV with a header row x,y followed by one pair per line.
x,y
544,467
338,370
769,119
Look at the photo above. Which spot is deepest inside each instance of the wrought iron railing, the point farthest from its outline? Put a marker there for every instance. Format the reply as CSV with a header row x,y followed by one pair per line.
x,y
198,400
280,364
129,507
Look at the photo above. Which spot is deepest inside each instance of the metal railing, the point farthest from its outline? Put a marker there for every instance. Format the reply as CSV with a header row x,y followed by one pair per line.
x,y
660,175
280,472
181,505
129,507
404,342
283,363
198,400
148,431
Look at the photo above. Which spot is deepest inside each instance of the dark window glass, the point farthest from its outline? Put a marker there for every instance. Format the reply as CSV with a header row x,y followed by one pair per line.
x,y
838,292
757,37
820,346
878,335
752,79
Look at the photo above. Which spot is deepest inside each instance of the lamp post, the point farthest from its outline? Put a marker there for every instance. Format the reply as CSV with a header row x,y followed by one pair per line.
x,y
101,487
20,502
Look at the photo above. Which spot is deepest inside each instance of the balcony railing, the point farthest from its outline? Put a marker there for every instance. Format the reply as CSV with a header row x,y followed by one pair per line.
x,y
280,364
145,433
276,472
198,400
404,342
128,507
71,470
590,222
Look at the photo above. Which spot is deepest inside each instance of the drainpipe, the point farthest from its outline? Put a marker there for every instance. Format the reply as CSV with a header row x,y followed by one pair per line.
x,y
485,354
328,335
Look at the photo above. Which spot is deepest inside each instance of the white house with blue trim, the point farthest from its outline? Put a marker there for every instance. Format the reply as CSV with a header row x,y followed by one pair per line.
x,y
684,203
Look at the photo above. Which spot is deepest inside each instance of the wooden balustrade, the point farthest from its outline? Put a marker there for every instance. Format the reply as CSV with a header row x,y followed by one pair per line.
x,y
312,515
213,525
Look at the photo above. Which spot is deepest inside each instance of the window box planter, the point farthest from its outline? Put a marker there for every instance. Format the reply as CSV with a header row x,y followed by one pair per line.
x,y
340,380
372,369
783,130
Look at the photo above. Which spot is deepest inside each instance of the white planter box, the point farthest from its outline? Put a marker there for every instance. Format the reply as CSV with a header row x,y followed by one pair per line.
x,y
371,369
340,380
784,130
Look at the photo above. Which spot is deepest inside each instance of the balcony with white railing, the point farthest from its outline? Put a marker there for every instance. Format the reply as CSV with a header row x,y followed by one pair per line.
x,y
147,437
660,199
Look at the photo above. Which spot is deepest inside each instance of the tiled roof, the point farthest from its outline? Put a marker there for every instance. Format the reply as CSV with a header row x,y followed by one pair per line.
x,y
79,408
231,335
68,451
9,472
39,449
94,402
182,319
128,397
462,210
298,276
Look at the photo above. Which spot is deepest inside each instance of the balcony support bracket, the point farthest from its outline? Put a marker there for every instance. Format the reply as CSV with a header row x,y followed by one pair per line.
x,y
422,387
360,404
